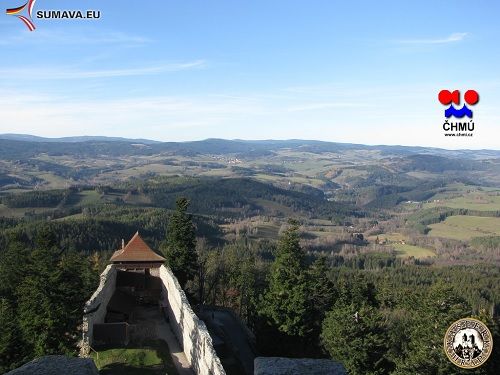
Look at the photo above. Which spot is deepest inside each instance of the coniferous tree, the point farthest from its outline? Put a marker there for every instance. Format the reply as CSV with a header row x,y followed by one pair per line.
x,y
35,296
354,331
35,315
285,303
321,296
49,299
432,316
356,337
74,282
180,246
13,261
11,347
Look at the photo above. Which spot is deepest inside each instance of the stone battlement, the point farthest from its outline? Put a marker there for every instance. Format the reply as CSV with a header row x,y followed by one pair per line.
x,y
191,332
95,308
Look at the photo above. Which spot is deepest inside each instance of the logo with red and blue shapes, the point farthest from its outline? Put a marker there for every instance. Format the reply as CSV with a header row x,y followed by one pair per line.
x,y
447,97
452,98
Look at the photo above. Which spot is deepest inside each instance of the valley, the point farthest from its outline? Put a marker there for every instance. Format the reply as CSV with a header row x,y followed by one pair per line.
x,y
348,198
377,228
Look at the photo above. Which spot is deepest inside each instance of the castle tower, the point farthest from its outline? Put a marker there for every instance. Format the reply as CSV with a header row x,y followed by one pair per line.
x,y
136,255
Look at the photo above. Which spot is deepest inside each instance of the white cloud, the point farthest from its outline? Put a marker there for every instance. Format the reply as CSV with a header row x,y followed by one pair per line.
x,y
37,73
455,37
76,37
328,105
155,117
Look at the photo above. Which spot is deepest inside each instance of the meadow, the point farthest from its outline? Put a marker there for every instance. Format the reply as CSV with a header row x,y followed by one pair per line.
x,y
417,252
462,227
476,200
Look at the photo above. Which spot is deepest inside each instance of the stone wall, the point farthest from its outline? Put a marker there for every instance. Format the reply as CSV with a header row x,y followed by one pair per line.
x,y
57,364
95,307
189,329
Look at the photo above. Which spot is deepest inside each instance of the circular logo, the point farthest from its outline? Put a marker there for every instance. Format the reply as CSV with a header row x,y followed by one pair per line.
x,y
468,343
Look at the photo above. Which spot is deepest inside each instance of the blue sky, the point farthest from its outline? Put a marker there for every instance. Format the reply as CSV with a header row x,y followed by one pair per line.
x,y
358,71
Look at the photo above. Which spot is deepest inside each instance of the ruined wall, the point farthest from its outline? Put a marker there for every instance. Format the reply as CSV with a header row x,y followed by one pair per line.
x,y
95,307
57,364
190,331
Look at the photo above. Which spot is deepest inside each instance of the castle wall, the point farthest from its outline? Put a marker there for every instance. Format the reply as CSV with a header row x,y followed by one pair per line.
x,y
191,332
95,307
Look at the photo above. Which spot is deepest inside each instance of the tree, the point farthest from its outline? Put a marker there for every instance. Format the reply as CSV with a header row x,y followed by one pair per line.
x,y
357,338
13,260
13,269
35,316
232,273
202,253
74,281
180,246
432,315
321,297
51,297
11,348
285,303
47,300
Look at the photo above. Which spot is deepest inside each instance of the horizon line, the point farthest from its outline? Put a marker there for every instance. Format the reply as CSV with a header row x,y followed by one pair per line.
x,y
49,139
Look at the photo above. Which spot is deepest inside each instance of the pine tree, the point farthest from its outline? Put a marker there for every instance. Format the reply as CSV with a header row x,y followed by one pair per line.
x,y
51,296
432,315
13,349
10,344
35,315
285,303
321,296
180,246
73,283
357,338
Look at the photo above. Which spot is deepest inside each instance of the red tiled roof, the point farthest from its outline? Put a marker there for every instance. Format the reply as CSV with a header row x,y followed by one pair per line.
x,y
136,251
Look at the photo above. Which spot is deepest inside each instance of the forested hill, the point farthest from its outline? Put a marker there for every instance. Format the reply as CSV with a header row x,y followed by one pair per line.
x,y
83,138
26,146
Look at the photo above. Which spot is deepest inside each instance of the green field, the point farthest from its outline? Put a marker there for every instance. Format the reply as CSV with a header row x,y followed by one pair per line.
x,y
481,201
466,227
403,250
406,251
87,197
154,359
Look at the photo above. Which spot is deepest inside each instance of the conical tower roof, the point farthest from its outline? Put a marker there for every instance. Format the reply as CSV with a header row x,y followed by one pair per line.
x,y
136,250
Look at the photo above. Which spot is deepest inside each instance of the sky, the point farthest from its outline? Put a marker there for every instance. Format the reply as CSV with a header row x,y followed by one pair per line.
x,y
352,71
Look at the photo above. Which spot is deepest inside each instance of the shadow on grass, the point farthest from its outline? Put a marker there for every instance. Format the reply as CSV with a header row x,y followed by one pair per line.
x,y
124,360
124,369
